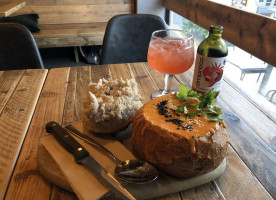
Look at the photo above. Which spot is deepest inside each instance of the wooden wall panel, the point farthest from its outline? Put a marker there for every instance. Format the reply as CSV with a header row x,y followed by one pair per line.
x,y
252,32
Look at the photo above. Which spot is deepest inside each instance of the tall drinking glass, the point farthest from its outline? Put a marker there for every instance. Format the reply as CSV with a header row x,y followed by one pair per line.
x,y
170,52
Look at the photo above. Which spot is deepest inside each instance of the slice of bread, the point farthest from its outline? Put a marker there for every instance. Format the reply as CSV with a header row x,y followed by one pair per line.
x,y
110,105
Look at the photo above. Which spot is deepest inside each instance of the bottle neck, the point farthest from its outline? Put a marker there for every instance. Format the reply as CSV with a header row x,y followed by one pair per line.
x,y
215,31
215,35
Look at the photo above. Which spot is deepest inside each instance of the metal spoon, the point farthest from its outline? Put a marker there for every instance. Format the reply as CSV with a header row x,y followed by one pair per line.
x,y
131,171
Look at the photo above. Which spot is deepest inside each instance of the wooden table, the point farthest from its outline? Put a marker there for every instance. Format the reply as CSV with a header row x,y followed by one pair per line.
x,y
31,98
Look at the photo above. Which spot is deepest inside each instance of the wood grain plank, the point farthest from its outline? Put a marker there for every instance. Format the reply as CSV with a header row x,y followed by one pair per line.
x,y
76,13
8,82
15,120
100,71
146,84
26,182
119,71
206,191
69,41
251,32
82,29
255,98
259,122
59,193
7,8
77,90
254,152
63,35
238,182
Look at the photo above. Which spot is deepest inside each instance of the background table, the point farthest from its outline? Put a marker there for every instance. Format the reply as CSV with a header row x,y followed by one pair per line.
x,y
7,8
31,98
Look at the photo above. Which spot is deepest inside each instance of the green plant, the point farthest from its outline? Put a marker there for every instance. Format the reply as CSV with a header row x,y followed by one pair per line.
x,y
196,30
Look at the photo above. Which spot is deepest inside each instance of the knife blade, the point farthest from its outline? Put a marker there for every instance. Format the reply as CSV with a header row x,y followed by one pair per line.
x,y
82,156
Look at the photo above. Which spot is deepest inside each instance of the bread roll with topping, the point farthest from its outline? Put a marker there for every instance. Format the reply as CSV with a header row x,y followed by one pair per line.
x,y
176,144
110,105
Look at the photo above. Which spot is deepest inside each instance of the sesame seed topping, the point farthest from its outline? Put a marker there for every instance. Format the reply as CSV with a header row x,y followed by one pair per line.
x,y
164,111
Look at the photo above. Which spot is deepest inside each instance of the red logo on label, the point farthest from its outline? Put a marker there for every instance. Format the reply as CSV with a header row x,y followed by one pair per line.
x,y
212,74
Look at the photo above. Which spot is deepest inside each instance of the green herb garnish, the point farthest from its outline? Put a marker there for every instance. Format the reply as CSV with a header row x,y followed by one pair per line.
x,y
184,93
207,99
205,103
213,113
194,113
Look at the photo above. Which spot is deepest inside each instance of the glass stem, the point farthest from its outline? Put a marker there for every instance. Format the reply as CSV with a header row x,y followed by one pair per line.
x,y
168,83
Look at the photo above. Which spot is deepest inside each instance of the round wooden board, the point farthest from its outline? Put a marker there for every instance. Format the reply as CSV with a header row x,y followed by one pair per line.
x,y
49,169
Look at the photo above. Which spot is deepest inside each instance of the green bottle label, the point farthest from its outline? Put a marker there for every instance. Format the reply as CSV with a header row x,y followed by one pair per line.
x,y
208,73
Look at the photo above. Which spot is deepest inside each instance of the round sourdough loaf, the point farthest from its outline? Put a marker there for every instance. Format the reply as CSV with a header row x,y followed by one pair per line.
x,y
176,144
110,105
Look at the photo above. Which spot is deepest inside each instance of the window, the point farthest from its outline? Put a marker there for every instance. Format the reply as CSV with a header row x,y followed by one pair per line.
x,y
262,7
251,75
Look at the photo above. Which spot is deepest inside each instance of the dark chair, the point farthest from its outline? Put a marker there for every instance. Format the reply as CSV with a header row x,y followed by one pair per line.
x,y
127,38
18,49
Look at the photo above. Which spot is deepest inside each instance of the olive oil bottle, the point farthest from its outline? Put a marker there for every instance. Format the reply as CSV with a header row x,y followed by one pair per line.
x,y
210,62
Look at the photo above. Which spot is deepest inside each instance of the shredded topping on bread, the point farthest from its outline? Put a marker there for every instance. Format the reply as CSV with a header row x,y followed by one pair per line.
x,y
112,99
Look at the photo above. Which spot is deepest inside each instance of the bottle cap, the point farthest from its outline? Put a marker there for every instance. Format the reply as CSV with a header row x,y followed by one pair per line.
x,y
216,28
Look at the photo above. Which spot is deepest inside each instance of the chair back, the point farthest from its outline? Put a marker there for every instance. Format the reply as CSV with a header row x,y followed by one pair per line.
x,y
18,49
127,38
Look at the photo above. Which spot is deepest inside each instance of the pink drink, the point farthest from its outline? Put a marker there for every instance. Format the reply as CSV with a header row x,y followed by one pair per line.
x,y
171,55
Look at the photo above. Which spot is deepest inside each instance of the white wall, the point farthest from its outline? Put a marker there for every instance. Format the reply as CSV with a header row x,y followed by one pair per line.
x,y
151,7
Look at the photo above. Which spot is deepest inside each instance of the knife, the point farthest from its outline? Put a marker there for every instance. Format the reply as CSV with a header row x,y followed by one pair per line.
x,y
71,129
82,156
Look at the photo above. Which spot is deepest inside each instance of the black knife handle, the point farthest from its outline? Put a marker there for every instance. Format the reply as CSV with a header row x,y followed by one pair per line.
x,y
67,141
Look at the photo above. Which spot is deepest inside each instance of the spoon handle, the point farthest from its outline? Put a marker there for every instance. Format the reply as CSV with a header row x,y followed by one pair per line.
x,y
71,129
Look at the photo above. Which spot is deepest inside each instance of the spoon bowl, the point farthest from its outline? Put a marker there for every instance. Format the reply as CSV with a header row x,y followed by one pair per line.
x,y
136,171
131,171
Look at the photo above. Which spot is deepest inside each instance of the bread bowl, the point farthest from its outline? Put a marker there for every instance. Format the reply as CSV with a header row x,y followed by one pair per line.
x,y
175,143
110,105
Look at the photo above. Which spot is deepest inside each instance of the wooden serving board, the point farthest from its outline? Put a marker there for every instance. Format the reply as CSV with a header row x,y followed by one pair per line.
x,y
58,166
49,169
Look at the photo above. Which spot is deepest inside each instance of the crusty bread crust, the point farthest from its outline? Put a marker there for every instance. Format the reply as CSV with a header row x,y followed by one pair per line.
x,y
110,105
105,127
171,153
